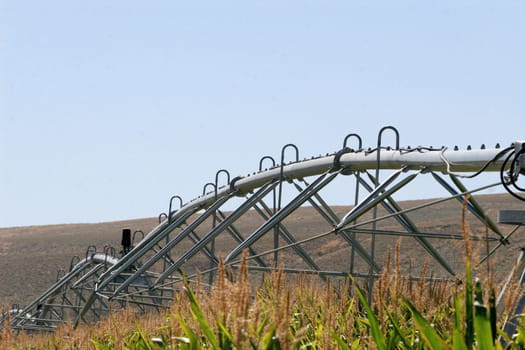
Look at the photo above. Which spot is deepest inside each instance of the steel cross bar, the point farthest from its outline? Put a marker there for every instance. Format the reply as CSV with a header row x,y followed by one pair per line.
x,y
472,205
167,258
199,245
177,239
144,246
249,203
319,183
56,288
87,275
481,213
328,214
436,235
194,238
81,298
239,238
417,207
393,207
374,197
322,273
288,237
77,288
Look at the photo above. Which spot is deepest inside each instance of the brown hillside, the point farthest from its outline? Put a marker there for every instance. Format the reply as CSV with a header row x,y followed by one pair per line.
x,y
31,256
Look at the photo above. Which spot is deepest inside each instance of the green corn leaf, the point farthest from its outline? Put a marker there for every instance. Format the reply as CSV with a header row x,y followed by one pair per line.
x,y
396,327
190,334
458,341
200,317
379,338
482,325
355,344
339,341
458,309
469,307
225,336
144,341
262,324
478,292
270,340
429,334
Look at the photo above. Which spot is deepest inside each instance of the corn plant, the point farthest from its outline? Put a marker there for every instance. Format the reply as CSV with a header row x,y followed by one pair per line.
x,y
304,314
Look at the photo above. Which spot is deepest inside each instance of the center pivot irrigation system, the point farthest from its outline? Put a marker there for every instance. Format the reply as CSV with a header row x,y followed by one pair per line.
x,y
258,214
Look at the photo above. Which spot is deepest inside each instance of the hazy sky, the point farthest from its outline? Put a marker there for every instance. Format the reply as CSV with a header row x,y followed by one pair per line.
x,y
107,108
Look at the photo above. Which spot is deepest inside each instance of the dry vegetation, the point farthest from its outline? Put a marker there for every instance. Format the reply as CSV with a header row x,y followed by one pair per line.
x,y
300,312
294,313
303,313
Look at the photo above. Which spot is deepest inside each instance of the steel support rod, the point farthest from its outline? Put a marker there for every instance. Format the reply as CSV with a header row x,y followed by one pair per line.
x,y
207,238
477,209
374,197
319,183
56,288
328,214
289,238
238,237
177,239
394,208
150,241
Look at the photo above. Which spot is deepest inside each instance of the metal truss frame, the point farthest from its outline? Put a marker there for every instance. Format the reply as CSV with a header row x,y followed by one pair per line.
x,y
184,243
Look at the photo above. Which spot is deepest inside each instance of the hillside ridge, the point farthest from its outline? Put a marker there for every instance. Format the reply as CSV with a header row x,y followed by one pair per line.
x,y
31,256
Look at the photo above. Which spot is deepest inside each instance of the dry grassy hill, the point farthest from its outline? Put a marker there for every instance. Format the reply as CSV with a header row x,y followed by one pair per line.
x,y
31,256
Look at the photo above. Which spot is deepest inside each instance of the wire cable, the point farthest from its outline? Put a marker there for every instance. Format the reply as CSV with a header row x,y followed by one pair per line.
x,y
482,169
512,177
516,172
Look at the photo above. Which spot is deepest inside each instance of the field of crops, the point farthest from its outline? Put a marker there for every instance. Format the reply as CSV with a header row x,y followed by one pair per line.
x,y
279,311
303,313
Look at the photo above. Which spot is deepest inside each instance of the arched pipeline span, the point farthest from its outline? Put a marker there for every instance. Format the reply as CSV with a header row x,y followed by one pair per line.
x,y
258,214
63,300
42,314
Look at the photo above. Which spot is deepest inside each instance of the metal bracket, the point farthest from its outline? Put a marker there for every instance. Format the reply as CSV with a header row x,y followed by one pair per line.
x,y
205,188
512,217
281,173
270,158
346,149
217,179
170,212
140,232
162,216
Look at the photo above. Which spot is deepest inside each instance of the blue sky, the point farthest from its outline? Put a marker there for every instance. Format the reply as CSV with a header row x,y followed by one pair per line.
x,y
107,108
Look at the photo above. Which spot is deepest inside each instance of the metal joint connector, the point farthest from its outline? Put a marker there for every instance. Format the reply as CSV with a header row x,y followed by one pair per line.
x,y
519,150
